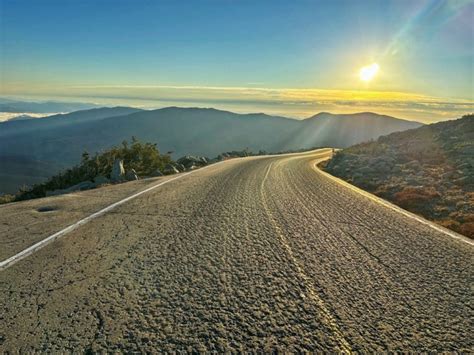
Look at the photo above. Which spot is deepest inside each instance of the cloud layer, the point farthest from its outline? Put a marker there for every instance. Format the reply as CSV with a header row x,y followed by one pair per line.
x,y
292,102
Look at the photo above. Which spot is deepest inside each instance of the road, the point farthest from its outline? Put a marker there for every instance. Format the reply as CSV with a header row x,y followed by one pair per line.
x,y
263,253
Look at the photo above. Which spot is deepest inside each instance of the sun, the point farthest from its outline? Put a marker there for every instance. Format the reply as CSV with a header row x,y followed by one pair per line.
x,y
368,72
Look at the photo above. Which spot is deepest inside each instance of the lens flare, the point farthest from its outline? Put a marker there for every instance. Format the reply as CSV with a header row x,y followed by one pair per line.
x,y
368,72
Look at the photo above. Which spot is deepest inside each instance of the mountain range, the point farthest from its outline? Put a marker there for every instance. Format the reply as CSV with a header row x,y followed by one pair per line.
x,y
8,105
57,142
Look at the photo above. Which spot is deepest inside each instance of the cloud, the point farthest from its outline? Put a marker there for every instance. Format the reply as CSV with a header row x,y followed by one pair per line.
x,y
6,116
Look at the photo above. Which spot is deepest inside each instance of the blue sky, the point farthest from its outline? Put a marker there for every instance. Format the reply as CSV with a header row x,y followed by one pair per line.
x,y
294,57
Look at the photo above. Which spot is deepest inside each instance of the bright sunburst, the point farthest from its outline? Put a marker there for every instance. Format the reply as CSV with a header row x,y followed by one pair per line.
x,y
368,72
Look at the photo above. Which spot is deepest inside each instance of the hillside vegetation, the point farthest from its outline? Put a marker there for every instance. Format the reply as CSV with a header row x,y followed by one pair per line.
x,y
428,170
144,159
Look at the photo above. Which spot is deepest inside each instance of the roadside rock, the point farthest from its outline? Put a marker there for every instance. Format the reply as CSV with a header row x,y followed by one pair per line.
x,y
131,175
118,171
190,160
170,169
180,167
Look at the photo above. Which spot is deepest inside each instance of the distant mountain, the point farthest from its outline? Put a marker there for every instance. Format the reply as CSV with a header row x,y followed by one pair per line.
x,y
344,130
27,124
7,105
61,140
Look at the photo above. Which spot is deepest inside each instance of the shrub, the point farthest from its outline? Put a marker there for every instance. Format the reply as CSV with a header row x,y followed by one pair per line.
x,y
6,199
145,158
449,223
411,197
467,229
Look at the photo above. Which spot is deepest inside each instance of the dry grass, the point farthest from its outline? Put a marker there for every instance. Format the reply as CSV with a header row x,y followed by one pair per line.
x,y
415,197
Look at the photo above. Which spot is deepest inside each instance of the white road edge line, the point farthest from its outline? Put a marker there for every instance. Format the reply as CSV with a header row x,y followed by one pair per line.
x,y
392,206
35,247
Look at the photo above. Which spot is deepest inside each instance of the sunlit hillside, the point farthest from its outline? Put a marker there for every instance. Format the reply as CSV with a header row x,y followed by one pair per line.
x,y
428,170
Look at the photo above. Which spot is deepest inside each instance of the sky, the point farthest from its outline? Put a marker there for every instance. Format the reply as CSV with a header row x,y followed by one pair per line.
x,y
292,58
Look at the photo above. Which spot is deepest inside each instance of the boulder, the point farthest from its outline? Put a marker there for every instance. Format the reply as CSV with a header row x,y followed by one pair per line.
x,y
118,171
170,169
131,175
222,156
190,160
180,167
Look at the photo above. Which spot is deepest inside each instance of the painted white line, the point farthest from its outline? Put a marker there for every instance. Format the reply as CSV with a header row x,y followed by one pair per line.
x,y
35,247
392,206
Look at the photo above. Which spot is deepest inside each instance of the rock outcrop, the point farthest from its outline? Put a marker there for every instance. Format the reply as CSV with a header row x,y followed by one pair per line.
x,y
180,167
191,162
170,169
131,175
118,171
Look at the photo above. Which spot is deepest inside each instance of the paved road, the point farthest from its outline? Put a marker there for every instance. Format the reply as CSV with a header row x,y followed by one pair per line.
x,y
261,253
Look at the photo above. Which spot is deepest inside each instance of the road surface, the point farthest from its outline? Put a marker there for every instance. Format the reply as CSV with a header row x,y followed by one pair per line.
x,y
262,253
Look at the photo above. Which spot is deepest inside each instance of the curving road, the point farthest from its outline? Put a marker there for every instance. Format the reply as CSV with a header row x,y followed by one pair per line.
x,y
262,253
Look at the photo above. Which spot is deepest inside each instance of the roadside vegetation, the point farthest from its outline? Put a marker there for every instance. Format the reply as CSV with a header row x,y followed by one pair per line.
x,y
144,158
427,170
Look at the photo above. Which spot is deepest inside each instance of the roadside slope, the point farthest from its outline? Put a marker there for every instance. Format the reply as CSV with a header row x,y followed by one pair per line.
x,y
428,171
